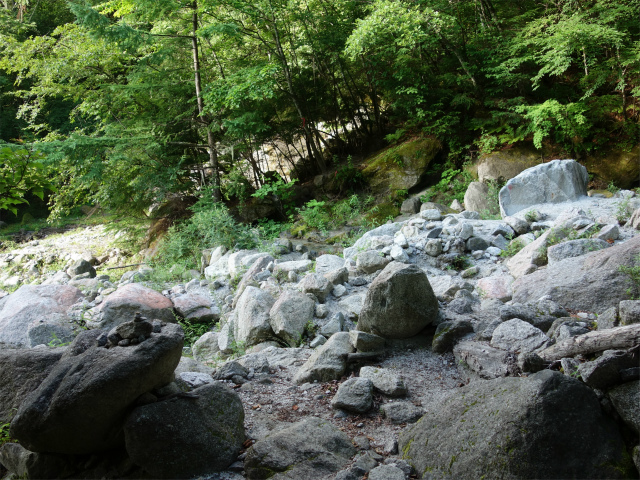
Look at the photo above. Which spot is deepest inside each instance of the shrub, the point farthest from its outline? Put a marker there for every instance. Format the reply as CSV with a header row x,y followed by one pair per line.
x,y
211,224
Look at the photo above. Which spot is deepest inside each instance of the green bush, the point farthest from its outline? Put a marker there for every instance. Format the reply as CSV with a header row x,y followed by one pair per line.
x,y
210,225
315,215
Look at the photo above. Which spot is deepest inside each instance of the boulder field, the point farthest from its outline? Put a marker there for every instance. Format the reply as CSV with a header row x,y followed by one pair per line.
x,y
438,346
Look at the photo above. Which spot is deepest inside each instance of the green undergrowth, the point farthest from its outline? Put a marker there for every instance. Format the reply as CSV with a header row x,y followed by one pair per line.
x,y
4,434
194,330
634,276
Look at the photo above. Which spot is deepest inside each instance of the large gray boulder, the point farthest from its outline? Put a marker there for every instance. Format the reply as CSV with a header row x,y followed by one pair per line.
x,y
547,425
82,405
187,436
591,282
37,314
122,305
328,362
311,448
21,372
290,315
399,303
252,324
554,182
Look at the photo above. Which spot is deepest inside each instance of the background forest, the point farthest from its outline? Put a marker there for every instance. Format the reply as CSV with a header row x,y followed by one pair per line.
x,y
127,103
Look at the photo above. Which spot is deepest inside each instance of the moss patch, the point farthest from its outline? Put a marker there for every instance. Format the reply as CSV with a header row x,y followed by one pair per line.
x,y
401,167
382,212
617,166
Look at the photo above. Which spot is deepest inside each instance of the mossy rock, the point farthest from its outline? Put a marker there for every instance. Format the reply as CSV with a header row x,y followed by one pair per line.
x,y
401,167
604,193
617,166
507,164
382,212
256,209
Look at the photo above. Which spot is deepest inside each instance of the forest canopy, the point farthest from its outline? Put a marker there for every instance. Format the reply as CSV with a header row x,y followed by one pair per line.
x,y
126,103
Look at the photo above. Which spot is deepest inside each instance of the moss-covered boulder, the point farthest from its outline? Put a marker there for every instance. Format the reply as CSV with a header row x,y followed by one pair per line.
x,y
401,167
547,425
617,166
508,163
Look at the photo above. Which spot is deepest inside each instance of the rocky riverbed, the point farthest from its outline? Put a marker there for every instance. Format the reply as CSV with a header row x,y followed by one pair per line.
x,y
325,366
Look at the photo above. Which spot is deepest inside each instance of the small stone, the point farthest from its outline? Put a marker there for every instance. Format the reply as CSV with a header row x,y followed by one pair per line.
x,y
354,395
339,291
321,310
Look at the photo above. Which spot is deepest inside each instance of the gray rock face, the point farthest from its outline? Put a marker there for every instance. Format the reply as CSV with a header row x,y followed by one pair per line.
x,y
33,306
206,348
311,448
289,316
354,395
399,303
21,372
252,324
318,285
81,406
574,248
327,362
122,305
544,426
592,282
483,361
629,312
384,381
519,336
386,472
401,412
187,437
554,182
371,261
625,399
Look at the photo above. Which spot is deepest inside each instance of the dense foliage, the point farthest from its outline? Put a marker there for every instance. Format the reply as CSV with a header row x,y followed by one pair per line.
x,y
128,102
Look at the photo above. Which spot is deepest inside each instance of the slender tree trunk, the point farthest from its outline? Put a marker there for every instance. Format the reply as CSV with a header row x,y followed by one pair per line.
x,y
211,144
309,137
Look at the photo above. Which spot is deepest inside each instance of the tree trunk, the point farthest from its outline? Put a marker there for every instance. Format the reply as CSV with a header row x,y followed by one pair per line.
x,y
211,144
592,342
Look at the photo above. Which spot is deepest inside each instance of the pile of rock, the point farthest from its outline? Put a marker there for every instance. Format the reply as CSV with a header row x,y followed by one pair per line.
x,y
546,343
